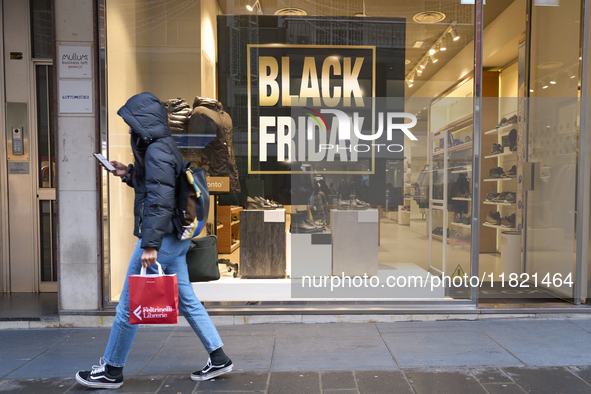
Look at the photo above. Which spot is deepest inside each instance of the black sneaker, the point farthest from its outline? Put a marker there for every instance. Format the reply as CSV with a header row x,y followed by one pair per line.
x,y
99,378
211,371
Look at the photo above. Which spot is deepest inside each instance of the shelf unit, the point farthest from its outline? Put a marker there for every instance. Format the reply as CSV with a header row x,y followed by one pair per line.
x,y
501,130
498,227
229,230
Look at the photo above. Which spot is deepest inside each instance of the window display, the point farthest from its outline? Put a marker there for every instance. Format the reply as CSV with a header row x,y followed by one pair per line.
x,y
346,143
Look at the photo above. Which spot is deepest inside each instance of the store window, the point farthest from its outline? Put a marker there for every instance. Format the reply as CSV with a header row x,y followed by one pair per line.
x,y
342,133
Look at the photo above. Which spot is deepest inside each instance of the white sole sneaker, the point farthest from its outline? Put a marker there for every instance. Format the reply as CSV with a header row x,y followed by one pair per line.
x,y
97,385
213,374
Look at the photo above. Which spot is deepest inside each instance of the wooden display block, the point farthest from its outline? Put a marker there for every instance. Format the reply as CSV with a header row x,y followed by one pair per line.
x,y
262,243
354,242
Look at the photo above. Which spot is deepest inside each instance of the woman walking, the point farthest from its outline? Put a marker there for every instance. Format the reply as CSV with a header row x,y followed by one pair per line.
x,y
158,164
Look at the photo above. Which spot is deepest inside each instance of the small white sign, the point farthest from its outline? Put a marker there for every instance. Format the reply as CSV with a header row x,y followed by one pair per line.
x,y
75,61
75,97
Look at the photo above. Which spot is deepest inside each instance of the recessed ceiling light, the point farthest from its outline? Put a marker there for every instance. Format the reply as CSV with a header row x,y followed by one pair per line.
x,y
290,11
406,61
418,44
429,17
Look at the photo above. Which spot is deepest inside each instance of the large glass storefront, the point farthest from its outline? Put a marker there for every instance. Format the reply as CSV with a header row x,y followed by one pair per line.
x,y
356,162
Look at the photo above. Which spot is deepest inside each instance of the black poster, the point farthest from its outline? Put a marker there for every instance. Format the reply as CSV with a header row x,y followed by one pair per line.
x,y
306,94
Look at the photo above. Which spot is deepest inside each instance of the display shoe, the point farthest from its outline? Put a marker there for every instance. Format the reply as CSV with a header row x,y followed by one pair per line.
x,y
508,221
493,218
491,196
513,140
510,197
500,197
308,221
253,203
497,172
466,219
512,173
497,149
269,203
457,218
512,120
299,224
502,122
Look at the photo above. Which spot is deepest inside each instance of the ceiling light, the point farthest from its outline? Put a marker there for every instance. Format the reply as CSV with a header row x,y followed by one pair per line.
x,y
552,82
422,65
545,86
418,44
409,83
291,11
454,34
443,46
411,77
433,58
429,17
531,90
432,51
419,71
255,5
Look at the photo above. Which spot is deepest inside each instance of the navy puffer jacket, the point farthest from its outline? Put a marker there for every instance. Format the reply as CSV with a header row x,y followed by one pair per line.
x,y
155,195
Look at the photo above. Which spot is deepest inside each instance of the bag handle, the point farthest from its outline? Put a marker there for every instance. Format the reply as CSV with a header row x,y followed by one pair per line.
x,y
160,272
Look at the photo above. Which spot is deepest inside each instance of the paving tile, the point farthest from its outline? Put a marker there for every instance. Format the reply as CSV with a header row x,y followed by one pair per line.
x,y
249,347
80,349
380,382
330,347
236,382
496,388
294,382
340,391
31,343
583,372
443,382
177,384
134,384
551,380
45,386
338,380
542,342
491,375
443,344
181,354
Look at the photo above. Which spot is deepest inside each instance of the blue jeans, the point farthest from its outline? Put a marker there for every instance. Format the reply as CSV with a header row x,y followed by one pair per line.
x,y
171,257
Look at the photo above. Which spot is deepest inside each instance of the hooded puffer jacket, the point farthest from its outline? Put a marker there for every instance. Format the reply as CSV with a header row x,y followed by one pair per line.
x,y
155,195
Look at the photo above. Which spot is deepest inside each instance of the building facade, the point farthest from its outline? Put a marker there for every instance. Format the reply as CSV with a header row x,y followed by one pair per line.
x,y
375,155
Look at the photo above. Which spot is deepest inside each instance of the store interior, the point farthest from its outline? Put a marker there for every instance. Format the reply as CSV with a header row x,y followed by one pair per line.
x,y
424,217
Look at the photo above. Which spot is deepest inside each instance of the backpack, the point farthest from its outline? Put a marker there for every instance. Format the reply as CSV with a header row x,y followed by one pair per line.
x,y
190,215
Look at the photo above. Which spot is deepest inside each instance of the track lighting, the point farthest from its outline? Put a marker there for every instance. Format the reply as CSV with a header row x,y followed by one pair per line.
x,y
433,58
454,34
443,45
255,5
409,83
411,77
419,71
432,51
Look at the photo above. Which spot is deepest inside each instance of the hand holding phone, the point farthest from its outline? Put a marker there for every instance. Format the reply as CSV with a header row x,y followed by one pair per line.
x,y
104,162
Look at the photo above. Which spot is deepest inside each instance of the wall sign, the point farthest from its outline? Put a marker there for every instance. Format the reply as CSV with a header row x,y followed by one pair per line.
x,y
220,184
75,61
75,97
18,167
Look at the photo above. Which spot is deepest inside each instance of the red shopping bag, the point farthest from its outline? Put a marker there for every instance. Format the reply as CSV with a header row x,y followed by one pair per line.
x,y
153,299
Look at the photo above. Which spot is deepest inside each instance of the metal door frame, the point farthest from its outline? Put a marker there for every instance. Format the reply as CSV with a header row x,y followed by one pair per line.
x,y
4,256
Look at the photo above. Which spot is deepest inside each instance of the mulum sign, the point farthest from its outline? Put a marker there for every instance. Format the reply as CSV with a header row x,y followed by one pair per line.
x,y
316,104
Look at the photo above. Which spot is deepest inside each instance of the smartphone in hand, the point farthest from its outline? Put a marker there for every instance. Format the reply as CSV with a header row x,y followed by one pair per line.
x,y
104,162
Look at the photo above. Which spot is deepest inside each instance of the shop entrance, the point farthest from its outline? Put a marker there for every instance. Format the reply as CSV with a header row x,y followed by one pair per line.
x,y
30,259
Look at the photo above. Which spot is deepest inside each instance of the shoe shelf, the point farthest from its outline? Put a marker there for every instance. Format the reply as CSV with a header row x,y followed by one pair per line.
x,y
497,226
503,129
506,204
498,179
457,148
220,226
462,225
461,198
467,171
229,230
501,155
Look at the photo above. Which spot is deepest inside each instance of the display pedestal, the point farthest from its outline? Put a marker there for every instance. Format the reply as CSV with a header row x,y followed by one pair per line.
x,y
354,242
403,216
309,254
262,243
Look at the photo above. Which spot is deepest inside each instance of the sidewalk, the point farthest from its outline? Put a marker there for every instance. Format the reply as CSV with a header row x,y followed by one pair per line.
x,y
497,356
